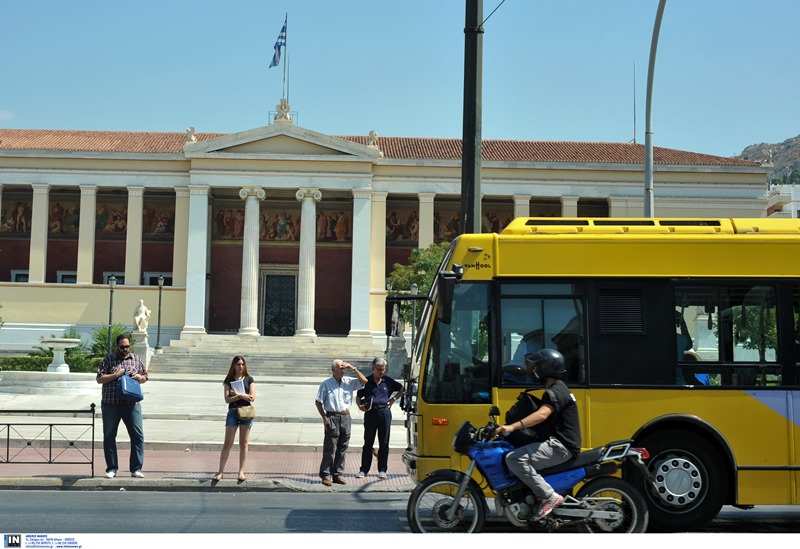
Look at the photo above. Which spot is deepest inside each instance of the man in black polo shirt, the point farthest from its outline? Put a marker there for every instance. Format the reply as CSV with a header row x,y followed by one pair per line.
x,y
376,400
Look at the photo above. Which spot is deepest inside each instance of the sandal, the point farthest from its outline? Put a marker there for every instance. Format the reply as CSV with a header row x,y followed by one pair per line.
x,y
217,477
242,478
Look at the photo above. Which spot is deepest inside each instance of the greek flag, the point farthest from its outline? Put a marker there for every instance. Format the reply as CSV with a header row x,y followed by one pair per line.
x,y
279,43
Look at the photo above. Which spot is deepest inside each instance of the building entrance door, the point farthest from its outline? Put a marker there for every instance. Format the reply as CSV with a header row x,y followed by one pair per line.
x,y
278,301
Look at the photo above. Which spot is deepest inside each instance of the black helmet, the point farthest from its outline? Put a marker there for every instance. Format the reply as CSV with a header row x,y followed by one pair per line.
x,y
546,363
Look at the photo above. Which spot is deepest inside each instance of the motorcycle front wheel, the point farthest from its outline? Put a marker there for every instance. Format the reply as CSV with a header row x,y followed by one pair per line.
x,y
614,494
431,502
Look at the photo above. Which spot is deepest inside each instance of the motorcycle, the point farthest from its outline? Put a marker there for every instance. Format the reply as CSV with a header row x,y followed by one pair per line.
x,y
453,501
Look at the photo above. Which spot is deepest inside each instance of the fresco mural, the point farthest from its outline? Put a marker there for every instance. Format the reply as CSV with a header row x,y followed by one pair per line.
x,y
15,216
402,225
445,223
333,224
111,219
64,218
446,220
279,225
158,221
280,222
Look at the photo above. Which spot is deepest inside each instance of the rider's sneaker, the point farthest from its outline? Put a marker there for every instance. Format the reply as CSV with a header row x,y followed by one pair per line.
x,y
548,505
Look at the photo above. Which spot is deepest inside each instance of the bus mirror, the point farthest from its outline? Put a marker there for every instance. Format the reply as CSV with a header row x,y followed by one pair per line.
x,y
392,316
447,286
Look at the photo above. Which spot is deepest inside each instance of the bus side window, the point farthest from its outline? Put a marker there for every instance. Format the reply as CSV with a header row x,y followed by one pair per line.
x,y
569,342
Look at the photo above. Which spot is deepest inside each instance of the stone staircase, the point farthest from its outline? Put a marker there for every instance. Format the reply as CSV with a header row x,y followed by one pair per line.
x,y
297,356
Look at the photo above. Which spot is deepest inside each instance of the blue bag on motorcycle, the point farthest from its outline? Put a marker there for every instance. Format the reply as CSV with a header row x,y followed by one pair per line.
x,y
526,405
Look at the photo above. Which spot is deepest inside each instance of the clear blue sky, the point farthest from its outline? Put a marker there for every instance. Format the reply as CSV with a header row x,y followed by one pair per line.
x,y
727,71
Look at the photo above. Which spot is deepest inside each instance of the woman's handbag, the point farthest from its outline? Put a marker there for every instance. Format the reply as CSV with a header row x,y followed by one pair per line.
x,y
129,389
246,412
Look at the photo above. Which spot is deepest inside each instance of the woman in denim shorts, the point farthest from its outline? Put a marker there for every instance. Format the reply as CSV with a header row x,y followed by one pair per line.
x,y
240,391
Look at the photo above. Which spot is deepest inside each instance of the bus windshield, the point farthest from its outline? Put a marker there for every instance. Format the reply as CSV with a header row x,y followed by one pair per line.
x,y
457,369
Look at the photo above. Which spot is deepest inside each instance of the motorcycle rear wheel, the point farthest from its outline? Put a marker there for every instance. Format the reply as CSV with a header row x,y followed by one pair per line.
x,y
434,497
617,495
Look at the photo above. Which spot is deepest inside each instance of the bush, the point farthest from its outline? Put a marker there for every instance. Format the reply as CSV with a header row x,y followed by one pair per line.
x,y
25,363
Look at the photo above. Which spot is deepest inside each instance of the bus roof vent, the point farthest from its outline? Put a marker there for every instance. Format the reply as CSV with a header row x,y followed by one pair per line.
x,y
621,311
643,226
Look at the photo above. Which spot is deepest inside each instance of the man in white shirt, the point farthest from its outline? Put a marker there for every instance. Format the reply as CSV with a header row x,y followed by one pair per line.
x,y
333,402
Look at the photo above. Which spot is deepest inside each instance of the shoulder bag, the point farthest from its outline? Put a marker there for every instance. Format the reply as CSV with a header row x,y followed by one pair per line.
x,y
525,405
129,389
246,412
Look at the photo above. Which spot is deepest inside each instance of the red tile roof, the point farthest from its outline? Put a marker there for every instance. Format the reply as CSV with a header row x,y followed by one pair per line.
x,y
392,147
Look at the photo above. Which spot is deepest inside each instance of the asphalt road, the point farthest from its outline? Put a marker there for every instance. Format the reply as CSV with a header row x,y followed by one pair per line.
x,y
43,512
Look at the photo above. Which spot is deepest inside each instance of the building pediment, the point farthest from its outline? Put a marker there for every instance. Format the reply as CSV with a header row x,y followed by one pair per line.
x,y
281,141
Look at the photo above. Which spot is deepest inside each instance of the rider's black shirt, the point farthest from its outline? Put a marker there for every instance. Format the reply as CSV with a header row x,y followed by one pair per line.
x,y
564,424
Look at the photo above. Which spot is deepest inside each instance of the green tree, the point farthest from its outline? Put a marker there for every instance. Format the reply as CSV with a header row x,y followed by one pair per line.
x,y
99,345
421,269
757,329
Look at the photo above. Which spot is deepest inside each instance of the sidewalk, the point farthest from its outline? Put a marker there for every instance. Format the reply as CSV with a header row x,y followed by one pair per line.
x,y
183,421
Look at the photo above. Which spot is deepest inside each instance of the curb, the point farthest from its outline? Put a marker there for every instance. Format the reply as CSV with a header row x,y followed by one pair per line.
x,y
191,485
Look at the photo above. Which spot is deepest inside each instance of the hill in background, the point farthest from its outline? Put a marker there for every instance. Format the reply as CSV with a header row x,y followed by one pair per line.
x,y
784,156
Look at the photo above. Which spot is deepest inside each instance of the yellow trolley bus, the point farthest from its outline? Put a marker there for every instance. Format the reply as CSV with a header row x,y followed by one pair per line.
x,y
678,333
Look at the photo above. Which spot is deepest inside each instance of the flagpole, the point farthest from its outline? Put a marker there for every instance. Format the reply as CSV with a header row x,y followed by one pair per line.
x,y
286,53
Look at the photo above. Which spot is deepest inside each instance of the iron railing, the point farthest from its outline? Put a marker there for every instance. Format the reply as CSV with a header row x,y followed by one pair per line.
x,y
25,443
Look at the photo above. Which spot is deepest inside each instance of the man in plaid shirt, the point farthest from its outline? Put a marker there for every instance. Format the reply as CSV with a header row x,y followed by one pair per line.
x,y
117,364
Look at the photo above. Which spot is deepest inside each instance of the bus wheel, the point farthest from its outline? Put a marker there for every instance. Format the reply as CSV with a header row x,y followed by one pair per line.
x,y
690,483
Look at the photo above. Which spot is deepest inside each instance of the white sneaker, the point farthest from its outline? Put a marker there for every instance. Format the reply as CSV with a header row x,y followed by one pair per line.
x,y
383,475
361,474
548,505
111,474
137,474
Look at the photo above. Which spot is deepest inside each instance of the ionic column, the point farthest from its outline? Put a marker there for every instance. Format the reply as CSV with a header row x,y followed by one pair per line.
x,y
306,276
133,237
359,284
378,262
196,260
87,231
248,319
522,206
569,206
425,219
180,240
40,221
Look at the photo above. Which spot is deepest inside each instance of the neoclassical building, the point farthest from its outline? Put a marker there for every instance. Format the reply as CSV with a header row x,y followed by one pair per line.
x,y
281,230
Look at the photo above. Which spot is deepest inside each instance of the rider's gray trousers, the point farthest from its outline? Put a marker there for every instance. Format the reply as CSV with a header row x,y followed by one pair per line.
x,y
524,461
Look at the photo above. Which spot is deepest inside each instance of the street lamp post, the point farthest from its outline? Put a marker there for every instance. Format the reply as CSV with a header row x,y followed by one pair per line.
x,y
112,283
388,289
414,290
158,330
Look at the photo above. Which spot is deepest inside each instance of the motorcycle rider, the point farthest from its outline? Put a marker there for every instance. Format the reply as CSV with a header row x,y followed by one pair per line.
x,y
560,414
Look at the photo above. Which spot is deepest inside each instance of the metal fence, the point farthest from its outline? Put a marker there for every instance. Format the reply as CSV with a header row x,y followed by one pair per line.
x,y
49,442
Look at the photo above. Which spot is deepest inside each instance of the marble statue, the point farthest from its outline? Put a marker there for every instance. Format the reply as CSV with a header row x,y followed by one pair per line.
x,y
283,111
141,317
